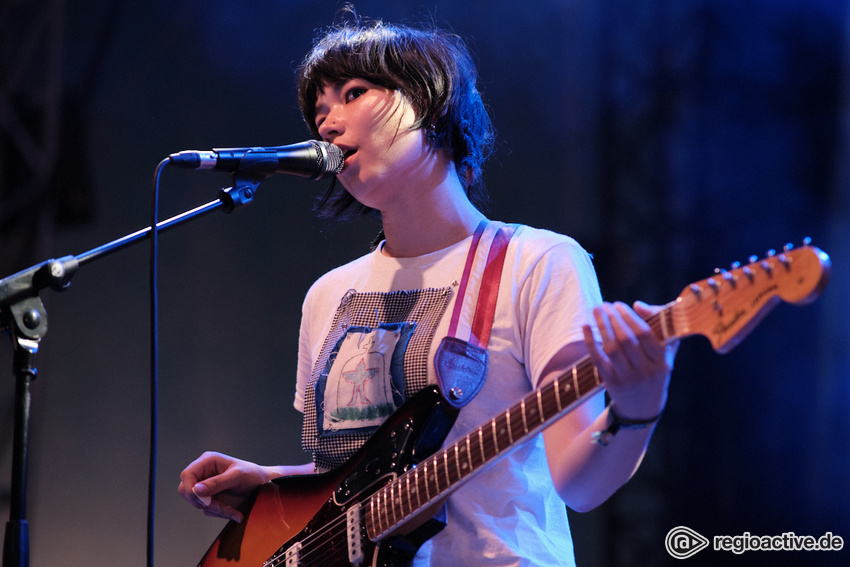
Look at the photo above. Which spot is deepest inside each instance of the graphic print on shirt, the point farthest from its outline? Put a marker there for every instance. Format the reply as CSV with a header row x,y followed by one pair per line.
x,y
363,382
333,430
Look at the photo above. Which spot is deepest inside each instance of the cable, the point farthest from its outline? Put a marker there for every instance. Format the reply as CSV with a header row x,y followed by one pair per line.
x,y
154,375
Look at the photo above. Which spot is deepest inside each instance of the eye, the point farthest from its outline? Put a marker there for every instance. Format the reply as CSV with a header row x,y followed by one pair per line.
x,y
354,92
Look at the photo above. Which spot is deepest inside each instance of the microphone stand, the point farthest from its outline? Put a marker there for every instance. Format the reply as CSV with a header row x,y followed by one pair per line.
x,y
23,315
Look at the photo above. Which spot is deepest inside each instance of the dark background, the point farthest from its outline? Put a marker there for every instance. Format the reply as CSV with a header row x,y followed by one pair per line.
x,y
669,137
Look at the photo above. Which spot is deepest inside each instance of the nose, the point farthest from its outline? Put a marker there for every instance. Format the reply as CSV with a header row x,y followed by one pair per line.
x,y
331,127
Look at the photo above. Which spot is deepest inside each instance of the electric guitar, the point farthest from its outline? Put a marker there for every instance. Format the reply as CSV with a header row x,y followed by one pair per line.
x,y
353,515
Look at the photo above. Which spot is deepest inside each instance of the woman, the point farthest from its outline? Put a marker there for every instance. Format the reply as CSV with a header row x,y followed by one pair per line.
x,y
404,107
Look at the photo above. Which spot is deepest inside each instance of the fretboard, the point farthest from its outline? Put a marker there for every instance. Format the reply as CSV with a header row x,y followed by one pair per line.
x,y
419,487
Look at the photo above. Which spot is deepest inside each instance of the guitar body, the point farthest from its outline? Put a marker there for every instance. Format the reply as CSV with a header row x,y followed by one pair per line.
x,y
310,510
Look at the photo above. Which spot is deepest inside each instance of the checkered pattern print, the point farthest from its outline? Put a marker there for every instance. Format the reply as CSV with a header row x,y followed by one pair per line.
x,y
424,307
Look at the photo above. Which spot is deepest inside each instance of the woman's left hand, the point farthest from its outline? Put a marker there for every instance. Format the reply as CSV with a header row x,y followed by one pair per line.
x,y
632,362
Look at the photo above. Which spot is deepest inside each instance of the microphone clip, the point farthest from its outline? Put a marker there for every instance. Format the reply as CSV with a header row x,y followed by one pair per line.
x,y
242,193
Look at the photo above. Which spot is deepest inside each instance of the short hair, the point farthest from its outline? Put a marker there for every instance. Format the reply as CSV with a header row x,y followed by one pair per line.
x,y
432,68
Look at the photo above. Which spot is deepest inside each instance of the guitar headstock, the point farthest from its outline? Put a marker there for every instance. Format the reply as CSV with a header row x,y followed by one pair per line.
x,y
727,306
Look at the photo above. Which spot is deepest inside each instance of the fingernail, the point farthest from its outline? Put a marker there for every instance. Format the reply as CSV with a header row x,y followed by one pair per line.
x,y
205,500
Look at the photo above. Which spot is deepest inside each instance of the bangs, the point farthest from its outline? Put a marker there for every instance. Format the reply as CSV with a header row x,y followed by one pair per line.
x,y
389,56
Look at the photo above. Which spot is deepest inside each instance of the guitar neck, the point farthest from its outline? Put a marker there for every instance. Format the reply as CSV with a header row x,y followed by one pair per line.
x,y
447,469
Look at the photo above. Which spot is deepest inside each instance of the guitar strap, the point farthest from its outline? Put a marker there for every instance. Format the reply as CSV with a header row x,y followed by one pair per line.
x,y
461,365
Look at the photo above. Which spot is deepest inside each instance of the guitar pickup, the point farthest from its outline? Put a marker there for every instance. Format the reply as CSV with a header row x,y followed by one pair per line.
x,y
292,555
352,523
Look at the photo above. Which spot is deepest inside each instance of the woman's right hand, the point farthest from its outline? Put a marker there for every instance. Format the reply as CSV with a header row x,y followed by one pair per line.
x,y
217,483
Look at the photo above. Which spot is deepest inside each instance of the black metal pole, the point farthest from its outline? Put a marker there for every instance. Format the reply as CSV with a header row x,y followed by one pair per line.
x,y
16,544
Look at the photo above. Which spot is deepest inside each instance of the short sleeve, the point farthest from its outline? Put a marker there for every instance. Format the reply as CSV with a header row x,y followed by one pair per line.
x,y
556,299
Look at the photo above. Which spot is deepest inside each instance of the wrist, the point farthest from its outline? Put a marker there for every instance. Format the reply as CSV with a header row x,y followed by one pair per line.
x,y
617,422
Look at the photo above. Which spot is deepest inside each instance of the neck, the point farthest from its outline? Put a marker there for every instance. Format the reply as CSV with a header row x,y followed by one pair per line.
x,y
437,219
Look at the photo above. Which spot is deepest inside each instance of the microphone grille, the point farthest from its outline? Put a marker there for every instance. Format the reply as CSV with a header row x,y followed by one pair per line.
x,y
331,158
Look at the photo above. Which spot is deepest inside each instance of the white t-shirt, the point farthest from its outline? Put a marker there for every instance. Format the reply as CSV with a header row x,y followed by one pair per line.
x,y
510,513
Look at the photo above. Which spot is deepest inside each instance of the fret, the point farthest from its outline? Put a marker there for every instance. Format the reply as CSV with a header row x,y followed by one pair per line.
x,y
425,481
495,435
662,319
372,525
531,412
566,390
435,473
508,427
557,384
517,425
548,402
481,445
392,504
540,407
403,508
374,514
575,382
457,462
413,485
410,493
474,456
387,507
404,495
466,464
524,421
669,326
378,517
382,511
502,431
446,468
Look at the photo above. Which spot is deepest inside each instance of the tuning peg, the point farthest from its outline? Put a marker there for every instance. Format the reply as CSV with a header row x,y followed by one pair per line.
x,y
749,273
807,241
725,275
771,253
735,265
788,247
753,259
712,283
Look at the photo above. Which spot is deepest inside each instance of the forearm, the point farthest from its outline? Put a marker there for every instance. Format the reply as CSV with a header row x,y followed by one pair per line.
x,y
586,473
278,471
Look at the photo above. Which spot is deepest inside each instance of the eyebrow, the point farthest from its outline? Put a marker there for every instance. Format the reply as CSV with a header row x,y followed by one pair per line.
x,y
320,92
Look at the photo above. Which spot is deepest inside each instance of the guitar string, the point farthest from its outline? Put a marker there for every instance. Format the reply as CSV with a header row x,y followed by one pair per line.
x,y
314,543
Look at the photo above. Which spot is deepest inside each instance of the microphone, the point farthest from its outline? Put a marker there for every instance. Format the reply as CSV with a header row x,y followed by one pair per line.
x,y
311,159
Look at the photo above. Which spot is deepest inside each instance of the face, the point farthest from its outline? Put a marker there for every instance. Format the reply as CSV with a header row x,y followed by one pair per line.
x,y
372,126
